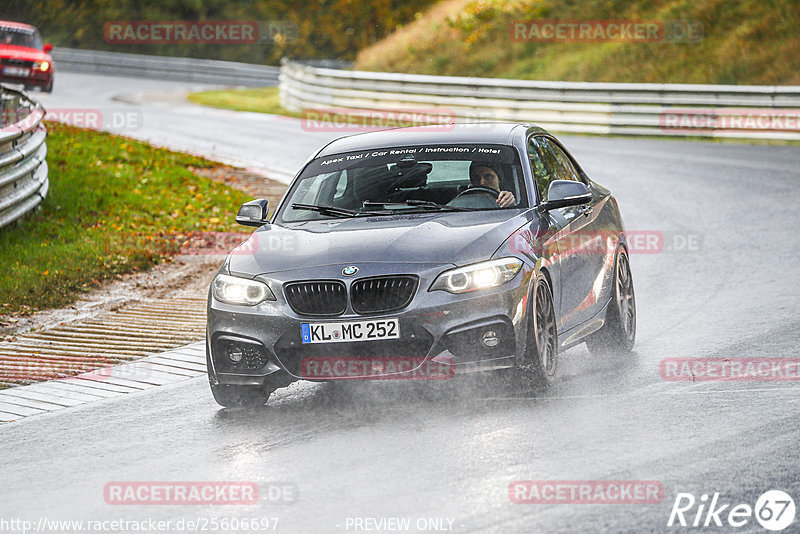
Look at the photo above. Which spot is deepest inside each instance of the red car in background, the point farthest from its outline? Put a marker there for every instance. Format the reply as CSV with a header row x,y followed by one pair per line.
x,y
24,58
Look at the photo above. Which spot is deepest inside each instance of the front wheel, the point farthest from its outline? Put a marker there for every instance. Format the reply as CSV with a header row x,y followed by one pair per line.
x,y
541,351
240,396
618,333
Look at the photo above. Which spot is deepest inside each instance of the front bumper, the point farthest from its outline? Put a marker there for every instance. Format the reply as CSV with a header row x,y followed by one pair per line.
x,y
34,79
435,326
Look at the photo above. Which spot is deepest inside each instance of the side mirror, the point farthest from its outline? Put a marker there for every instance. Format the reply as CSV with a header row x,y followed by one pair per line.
x,y
253,213
565,193
47,48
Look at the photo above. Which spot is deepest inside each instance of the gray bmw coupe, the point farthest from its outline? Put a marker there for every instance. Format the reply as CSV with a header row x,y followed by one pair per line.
x,y
422,253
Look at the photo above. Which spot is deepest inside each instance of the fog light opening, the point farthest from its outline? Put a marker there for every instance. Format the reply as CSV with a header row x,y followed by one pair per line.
x,y
490,338
235,353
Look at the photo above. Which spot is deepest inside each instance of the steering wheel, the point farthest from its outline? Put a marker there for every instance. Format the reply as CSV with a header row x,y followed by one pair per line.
x,y
476,197
478,190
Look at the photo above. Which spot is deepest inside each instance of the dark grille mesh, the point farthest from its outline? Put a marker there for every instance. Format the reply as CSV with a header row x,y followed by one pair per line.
x,y
382,294
323,297
254,356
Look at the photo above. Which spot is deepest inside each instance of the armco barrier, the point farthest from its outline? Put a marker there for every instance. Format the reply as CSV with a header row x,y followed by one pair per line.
x,y
165,68
23,169
731,111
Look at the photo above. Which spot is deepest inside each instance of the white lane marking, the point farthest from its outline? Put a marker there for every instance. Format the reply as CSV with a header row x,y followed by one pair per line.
x,y
169,369
179,364
88,387
175,365
30,403
21,411
41,397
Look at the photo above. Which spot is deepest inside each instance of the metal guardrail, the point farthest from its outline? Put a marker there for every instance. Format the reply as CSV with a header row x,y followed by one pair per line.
x,y
730,111
23,169
164,68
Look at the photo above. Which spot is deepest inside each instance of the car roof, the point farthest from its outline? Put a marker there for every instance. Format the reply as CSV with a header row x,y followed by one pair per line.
x,y
485,132
7,24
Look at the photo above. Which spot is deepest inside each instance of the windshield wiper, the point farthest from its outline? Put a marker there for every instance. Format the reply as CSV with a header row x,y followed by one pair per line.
x,y
333,210
417,204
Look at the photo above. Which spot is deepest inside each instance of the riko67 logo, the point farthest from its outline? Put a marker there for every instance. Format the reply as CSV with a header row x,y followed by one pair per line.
x,y
774,510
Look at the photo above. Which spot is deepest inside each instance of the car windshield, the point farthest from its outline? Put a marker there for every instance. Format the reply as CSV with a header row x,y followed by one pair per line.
x,y
410,179
15,37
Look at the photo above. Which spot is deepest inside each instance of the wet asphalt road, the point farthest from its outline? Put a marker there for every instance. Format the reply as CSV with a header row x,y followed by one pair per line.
x,y
725,285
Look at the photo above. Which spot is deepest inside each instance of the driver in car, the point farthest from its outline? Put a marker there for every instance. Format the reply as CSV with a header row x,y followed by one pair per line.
x,y
484,174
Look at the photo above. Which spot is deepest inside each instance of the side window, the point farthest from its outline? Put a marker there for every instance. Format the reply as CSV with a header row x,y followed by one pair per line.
x,y
344,192
308,190
341,186
543,164
566,169
320,189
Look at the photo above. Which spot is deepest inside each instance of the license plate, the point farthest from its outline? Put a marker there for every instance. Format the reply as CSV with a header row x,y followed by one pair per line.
x,y
350,331
15,71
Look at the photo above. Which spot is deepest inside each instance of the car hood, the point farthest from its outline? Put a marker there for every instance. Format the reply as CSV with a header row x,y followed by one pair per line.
x,y
442,238
24,53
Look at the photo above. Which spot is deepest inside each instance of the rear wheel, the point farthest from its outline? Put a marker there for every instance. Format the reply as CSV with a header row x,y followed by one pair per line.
x,y
541,352
618,333
231,396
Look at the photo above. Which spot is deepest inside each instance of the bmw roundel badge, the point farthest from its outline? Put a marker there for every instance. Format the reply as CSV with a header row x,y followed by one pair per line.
x,y
350,270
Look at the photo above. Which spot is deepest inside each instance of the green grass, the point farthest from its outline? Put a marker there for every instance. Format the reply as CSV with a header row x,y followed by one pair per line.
x,y
261,100
115,205
744,42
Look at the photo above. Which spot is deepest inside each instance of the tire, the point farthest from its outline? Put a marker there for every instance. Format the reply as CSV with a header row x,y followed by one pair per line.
x,y
541,350
48,88
240,396
618,334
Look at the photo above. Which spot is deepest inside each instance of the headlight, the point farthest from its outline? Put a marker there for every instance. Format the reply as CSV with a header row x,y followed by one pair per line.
x,y
234,290
491,273
44,66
